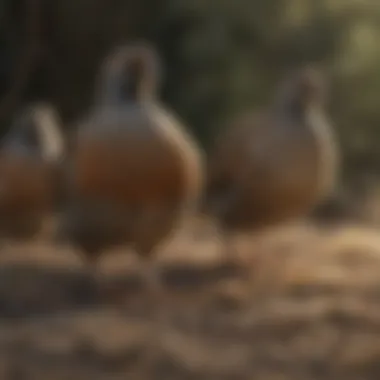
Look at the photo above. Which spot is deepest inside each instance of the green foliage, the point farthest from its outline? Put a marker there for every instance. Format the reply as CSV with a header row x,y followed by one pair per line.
x,y
227,55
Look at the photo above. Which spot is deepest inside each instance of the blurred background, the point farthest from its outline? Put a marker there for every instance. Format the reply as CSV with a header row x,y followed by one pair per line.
x,y
313,313
219,57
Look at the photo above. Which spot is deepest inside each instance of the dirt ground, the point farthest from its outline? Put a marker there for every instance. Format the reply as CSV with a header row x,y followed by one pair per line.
x,y
300,303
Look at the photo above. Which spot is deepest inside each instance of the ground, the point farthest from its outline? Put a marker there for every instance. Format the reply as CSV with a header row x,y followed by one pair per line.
x,y
301,303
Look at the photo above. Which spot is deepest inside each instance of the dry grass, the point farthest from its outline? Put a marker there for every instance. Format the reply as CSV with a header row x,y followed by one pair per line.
x,y
301,303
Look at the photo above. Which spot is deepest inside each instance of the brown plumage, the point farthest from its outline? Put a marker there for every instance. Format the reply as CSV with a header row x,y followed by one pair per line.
x,y
134,170
274,165
29,156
